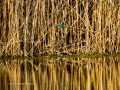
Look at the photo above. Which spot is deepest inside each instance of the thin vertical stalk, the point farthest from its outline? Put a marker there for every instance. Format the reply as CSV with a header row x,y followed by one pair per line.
x,y
109,1
13,29
17,26
26,28
118,29
77,28
99,25
87,26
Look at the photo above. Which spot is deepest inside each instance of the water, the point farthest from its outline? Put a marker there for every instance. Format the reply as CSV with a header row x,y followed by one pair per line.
x,y
60,74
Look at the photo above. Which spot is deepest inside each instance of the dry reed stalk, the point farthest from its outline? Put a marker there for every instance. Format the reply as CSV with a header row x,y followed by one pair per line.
x,y
33,28
11,26
99,23
53,28
118,46
87,27
103,27
17,26
30,26
48,23
43,24
26,28
109,1
3,30
78,36
39,8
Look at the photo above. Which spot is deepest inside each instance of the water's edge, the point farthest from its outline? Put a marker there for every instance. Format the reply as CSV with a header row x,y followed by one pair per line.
x,y
62,56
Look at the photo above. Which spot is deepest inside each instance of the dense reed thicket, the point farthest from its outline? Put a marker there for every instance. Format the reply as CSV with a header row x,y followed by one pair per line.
x,y
29,27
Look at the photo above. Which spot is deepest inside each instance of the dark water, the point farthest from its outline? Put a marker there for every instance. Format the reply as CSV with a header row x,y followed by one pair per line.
x,y
60,74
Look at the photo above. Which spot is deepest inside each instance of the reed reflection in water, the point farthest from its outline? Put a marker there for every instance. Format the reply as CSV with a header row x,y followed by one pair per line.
x,y
60,74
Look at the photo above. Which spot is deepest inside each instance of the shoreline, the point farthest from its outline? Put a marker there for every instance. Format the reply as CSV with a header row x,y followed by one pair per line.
x,y
62,56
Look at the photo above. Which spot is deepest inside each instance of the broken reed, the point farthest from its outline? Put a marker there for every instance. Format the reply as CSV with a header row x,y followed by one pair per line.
x,y
29,27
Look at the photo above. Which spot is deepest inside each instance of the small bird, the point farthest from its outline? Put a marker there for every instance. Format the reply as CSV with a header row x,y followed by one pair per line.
x,y
60,25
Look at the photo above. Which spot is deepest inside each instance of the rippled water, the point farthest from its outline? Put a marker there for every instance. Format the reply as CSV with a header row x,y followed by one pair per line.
x,y
60,74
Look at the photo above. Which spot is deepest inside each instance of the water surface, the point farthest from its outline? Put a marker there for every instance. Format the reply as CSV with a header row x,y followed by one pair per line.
x,y
60,74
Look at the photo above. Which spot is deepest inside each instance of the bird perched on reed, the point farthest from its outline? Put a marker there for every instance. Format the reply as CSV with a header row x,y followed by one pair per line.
x,y
60,25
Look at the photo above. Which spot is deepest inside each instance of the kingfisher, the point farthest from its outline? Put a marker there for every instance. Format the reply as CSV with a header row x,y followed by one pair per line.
x,y
60,25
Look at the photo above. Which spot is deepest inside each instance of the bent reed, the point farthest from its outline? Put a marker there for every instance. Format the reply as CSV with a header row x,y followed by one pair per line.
x,y
29,27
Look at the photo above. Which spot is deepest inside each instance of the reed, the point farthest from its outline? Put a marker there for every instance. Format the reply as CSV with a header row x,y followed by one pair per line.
x,y
30,27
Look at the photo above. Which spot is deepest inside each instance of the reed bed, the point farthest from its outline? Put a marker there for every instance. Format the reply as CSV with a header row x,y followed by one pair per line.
x,y
29,27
